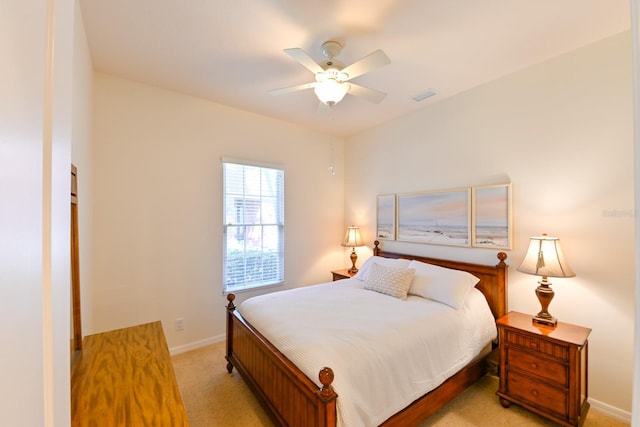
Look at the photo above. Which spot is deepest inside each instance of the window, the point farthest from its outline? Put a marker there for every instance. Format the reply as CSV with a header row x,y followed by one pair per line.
x,y
253,235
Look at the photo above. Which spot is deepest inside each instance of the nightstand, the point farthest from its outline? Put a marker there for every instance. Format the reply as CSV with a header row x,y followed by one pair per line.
x,y
342,274
544,368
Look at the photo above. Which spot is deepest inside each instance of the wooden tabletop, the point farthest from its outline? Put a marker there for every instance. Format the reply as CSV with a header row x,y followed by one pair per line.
x,y
564,332
125,378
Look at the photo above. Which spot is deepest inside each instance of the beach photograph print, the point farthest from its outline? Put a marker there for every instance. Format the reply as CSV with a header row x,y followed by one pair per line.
x,y
386,228
439,218
492,217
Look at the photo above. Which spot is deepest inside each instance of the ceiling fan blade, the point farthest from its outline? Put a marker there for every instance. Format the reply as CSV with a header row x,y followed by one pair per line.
x,y
293,88
370,62
304,59
370,95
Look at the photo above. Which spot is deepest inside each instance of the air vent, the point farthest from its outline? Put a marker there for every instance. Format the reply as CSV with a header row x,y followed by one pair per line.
x,y
424,95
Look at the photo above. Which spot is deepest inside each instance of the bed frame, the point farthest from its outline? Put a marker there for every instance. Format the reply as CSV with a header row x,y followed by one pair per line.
x,y
292,399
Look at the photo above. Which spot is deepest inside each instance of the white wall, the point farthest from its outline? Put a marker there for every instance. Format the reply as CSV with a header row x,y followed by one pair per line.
x,y
635,31
561,132
35,147
82,158
157,194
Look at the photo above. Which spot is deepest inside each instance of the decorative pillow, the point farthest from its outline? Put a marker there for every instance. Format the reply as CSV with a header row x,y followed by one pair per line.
x,y
389,280
441,284
388,262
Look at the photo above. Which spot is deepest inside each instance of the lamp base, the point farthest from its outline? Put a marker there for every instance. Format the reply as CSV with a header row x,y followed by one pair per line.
x,y
545,295
354,258
544,320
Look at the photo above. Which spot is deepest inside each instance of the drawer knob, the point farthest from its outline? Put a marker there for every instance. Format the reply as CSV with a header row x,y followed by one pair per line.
x,y
534,392
533,344
534,365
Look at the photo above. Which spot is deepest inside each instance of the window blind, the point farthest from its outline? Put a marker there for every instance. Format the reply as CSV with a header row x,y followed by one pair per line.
x,y
253,237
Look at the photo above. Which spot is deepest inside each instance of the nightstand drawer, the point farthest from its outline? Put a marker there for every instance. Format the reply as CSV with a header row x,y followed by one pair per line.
x,y
543,346
553,371
538,394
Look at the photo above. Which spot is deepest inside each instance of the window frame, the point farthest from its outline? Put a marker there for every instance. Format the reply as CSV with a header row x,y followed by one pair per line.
x,y
252,204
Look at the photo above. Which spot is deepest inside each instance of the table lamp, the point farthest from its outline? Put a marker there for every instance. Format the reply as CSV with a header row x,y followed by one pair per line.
x,y
351,240
545,258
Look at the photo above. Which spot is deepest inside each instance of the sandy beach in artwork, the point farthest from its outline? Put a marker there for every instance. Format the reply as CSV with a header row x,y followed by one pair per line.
x,y
492,236
441,235
385,231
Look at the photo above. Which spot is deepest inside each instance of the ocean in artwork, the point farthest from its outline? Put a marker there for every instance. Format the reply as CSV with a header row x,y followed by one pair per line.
x,y
492,236
385,231
438,234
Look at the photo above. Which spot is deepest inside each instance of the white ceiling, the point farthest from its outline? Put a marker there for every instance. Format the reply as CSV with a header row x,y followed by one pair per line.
x,y
231,52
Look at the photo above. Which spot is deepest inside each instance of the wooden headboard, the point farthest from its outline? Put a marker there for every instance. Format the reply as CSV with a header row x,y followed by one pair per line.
x,y
493,278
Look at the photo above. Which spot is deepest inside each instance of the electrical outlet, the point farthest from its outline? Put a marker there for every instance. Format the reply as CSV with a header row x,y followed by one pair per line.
x,y
179,324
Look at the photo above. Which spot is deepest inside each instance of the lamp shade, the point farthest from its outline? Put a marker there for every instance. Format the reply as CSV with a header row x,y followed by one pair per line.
x,y
330,91
352,239
545,258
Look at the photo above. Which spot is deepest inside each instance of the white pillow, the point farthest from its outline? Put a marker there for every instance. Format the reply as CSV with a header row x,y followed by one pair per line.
x,y
388,262
389,280
441,284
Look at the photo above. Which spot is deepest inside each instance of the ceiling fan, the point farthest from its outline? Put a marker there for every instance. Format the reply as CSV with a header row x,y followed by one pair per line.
x,y
333,79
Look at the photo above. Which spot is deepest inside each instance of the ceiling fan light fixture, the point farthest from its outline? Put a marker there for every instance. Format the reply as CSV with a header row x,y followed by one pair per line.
x,y
330,91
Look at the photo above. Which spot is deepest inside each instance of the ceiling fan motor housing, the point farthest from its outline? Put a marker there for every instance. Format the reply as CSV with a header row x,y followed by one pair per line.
x,y
331,49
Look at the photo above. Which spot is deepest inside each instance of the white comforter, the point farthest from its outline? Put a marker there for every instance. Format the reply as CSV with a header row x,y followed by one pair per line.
x,y
385,352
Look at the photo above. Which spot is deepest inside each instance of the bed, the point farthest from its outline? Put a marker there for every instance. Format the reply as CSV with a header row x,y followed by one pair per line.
x,y
291,397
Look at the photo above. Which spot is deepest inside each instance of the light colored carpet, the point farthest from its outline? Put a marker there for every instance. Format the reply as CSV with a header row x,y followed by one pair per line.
x,y
213,397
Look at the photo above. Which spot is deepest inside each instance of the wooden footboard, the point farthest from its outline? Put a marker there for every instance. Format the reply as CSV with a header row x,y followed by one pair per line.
x,y
288,396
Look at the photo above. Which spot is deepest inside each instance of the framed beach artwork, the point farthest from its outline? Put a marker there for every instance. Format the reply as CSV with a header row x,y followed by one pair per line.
x,y
438,218
492,217
386,213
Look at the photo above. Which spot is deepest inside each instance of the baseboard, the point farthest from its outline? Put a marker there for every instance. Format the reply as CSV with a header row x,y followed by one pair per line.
x,y
610,411
196,344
